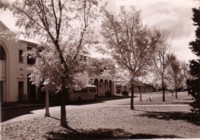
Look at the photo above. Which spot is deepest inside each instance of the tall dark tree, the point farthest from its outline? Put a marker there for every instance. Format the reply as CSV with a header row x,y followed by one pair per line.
x,y
194,83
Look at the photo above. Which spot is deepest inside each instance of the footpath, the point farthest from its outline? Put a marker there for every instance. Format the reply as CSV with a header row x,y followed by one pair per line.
x,y
109,120
150,98
16,105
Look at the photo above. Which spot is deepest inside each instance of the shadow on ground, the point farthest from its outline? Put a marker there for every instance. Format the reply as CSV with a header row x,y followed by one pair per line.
x,y
13,110
189,117
8,114
69,133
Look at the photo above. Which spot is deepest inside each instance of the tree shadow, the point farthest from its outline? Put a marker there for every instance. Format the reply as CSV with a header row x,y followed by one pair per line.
x,y
189,117
13,110
54,118
7,114
70,133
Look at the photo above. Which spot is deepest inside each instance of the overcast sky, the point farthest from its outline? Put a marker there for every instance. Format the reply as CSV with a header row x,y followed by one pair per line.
x,y
172,16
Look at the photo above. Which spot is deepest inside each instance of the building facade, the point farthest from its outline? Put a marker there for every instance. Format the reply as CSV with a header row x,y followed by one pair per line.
x,y
105,85
14,81
138,88
14,74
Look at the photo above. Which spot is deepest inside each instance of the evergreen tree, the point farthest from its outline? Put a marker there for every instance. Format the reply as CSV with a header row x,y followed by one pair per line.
x,y
194,83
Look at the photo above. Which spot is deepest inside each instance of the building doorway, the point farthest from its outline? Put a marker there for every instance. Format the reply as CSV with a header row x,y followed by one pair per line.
x,y
96,83
1,90
32,90
2,74
21,91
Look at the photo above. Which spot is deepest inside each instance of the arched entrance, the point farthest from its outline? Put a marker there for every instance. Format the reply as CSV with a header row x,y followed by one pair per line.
x,y
96,83
2,74
110,87
101,86
31,90
106,88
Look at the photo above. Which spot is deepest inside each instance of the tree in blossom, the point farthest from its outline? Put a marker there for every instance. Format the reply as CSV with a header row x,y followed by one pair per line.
x,y
99,66
63,28
3,4
161,63
175,77
131,43
186,74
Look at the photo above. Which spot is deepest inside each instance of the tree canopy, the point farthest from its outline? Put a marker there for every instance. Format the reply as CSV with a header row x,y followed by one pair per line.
x,y
131,43
63,28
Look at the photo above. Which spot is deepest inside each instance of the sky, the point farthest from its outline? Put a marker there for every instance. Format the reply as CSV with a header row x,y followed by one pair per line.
x,y
171,16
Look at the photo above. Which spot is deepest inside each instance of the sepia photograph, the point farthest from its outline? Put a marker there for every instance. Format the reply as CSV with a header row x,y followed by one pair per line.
x,y
99,69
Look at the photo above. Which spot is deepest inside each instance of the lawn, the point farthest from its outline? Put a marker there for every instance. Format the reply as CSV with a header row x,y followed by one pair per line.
x,y
150,119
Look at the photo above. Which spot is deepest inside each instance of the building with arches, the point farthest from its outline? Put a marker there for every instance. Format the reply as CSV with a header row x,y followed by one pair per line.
x,y
14,81
105,85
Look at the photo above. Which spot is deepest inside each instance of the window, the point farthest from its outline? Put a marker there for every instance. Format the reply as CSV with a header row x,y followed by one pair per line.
x,y
20,56
30,60
2,53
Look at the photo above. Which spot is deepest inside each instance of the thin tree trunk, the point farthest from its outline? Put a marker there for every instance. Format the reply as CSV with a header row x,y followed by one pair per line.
x,y
47,114
163,94
163,89
175,81
63,110
140,93
132,95
176,93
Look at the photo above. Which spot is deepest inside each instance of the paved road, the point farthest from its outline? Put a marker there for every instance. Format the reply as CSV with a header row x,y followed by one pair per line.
x,y
20,114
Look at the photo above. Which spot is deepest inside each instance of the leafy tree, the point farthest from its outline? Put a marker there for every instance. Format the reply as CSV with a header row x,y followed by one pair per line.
x,y
194,83
161,63
122,77
174,74
131,44
63,28
186,74
98,66
3,4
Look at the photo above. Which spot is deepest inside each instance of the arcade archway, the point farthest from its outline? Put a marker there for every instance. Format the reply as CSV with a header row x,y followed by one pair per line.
x,y
2,74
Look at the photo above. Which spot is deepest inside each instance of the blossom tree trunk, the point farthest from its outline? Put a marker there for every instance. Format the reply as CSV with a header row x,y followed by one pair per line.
x,y
132,94
47,114
140,93
163,89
